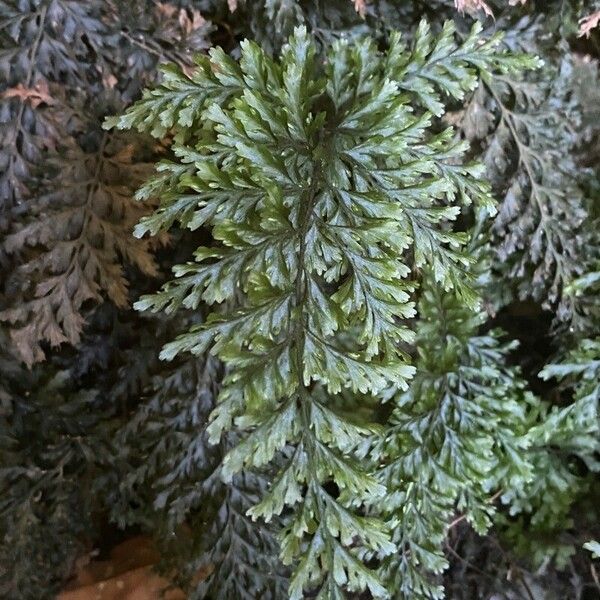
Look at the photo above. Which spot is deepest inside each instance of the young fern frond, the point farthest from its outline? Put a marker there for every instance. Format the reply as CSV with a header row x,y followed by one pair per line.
x,y
325,189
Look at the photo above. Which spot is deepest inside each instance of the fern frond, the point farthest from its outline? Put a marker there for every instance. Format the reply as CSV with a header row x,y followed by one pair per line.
x,y
324,189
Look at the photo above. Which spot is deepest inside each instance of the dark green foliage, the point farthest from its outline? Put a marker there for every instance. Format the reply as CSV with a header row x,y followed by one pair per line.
x,y
51,455
172,477
339,415
539,225
532,129
462,420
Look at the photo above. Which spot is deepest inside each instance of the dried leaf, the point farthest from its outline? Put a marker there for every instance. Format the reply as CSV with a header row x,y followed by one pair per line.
x,y
109,81
190,24
588,23
361,7
472,6
166,9
36,95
